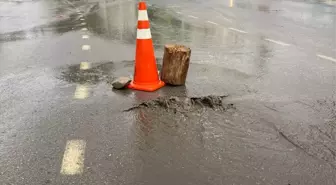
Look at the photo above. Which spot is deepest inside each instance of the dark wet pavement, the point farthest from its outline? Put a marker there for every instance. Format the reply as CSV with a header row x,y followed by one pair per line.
x,y
274,59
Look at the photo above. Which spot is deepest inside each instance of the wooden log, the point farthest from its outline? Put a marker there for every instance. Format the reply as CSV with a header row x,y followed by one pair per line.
x,y
175,65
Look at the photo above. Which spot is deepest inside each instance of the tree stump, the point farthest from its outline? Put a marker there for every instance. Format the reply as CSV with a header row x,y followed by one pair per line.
x,y
175,65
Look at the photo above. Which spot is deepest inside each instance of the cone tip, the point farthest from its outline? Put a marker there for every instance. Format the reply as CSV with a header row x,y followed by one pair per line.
x,y
142,5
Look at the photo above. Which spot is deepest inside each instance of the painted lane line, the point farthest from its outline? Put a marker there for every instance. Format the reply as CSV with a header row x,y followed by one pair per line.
x,y
84,65
85,36
86,47
178,12
82,19
326,58
83,23
277,42
212,22
191,16
231,3
237,30
73,158
229,20
84,29
82,92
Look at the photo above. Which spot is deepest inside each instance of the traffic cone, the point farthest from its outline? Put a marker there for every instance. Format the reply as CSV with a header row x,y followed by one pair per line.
x,y
146,76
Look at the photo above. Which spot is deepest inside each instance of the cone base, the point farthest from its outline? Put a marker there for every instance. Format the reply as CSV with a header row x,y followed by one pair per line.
x,y
146,87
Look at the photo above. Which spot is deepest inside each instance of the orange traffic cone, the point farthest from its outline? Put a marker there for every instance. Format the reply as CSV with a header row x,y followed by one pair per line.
x,y
146,76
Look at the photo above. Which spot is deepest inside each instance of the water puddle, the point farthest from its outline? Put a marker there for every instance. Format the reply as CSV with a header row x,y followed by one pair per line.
x,y
105,71
93,75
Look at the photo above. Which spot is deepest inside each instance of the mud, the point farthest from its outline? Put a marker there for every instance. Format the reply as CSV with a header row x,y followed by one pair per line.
x,y
185,104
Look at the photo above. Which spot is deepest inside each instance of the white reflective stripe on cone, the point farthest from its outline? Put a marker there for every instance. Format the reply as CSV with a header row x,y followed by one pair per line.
x,y
142,15
144,34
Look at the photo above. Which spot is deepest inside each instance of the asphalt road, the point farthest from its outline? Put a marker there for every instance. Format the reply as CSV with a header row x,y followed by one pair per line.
x,y
61,122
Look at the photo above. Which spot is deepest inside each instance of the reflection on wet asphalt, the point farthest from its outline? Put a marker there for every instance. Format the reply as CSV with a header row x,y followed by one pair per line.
x,y
278,125
211,44
63,18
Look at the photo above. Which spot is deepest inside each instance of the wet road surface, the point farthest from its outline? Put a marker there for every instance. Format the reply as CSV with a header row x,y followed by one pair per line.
x,y
274,61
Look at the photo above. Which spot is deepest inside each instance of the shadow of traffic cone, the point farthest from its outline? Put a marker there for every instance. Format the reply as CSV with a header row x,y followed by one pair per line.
x,y
146,76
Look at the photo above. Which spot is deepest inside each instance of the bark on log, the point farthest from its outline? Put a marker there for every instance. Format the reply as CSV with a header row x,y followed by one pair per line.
x,y
175,65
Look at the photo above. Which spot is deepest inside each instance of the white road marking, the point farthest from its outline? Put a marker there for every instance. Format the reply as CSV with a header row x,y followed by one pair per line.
x,y
178,12
278,42
85,36
84,29
326,57
82,19
237,30
83,23
212,22
192,16
82,92
85,65
229,20
86,47
73,158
